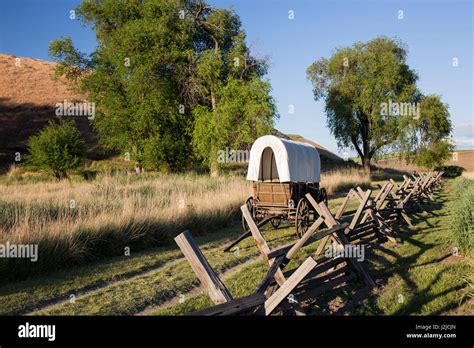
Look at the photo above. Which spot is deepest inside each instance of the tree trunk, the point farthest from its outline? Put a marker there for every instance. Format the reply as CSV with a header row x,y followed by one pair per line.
x,y
366,164
215,170
139,168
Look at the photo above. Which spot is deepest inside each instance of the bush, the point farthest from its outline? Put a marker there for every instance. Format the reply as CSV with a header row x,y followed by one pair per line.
x,y
461,222
57,149
452,171
434,155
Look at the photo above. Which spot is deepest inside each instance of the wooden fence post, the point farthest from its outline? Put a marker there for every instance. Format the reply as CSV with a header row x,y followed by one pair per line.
x,y
287,287
216,289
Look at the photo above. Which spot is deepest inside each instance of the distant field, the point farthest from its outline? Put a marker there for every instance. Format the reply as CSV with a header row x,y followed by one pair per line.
x,y
465,159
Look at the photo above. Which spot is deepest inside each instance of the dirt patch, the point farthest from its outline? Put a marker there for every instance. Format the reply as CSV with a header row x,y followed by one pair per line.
x,y
452,259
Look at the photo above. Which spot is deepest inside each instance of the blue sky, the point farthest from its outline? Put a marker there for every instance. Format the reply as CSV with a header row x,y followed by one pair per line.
x,y
434,31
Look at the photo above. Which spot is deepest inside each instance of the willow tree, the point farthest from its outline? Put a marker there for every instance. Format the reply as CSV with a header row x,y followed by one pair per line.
x,y
355,83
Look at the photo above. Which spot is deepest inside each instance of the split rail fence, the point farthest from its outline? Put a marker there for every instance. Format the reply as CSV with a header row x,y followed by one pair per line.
x,y
374,221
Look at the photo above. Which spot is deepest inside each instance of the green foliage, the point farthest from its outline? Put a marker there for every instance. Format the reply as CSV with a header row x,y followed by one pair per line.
x,y
236,106
73,64
158,64
354,82
244,112
452,171
57,149
425,139
461,222
432,156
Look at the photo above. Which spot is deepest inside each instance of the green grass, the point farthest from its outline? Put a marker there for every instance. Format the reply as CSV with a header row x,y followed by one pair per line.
x,y
412,277
25,296
411,274
461,222
165,278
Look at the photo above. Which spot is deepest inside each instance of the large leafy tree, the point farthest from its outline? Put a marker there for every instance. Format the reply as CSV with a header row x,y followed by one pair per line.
x,y
424,139
235,103
157,66
135,77
354,82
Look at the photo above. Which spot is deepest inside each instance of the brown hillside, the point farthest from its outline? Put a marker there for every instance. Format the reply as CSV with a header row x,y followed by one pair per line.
x,y
28,95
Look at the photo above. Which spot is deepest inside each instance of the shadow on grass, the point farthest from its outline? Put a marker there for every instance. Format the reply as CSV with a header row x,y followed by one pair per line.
x,y
391,262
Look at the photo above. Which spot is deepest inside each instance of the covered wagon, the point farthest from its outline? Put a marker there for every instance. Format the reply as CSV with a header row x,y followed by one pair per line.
x,y
283,172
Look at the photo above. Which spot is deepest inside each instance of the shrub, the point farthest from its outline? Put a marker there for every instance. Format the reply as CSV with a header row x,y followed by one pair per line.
x,y
452,171
57,149
434,155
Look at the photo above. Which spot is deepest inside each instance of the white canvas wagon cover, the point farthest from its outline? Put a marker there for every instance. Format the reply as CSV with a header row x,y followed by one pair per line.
x,y
281,160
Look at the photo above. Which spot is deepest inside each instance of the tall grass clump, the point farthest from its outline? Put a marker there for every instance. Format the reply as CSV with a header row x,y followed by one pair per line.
x,y
461,214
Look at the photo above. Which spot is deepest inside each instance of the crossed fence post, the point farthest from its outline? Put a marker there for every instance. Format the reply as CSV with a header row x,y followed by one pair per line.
x,y
220,295
278,259
313,277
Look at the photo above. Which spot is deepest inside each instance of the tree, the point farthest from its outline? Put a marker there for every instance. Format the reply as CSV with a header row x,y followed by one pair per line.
x,y
433,155
424,140
235,103
57,149
157,65
243,112
136,77
355,83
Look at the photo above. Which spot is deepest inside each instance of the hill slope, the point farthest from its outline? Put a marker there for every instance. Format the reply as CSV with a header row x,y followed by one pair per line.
x,y
28,95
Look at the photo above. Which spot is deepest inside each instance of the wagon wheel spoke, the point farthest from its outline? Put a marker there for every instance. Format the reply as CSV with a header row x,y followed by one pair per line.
x,y
302,217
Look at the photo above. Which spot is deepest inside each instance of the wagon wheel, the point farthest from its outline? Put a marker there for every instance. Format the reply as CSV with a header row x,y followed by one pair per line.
x,y
323,196
249,204
276,221
302,220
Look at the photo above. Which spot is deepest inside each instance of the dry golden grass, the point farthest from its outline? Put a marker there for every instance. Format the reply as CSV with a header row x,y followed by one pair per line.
x,y
28,96
76,222
29,81
468,175
344,179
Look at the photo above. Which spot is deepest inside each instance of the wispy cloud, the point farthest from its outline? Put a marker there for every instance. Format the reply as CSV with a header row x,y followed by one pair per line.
x,y
464,135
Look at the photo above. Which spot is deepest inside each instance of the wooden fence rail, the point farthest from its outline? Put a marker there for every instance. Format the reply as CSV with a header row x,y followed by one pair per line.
x,y
373,221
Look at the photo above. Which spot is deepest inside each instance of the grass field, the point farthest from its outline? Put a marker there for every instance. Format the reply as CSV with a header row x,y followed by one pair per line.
x,y
76,222
419,276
